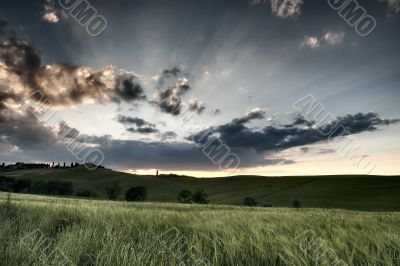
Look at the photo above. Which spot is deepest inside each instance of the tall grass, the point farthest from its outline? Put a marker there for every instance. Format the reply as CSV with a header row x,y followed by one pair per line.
x,y
119,233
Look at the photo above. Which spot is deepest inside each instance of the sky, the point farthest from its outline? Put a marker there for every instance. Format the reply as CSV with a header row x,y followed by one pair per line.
x,y
203,88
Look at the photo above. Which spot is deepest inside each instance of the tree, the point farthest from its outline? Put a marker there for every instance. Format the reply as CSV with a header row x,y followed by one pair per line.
x,y
249,201
296,204
113,191
200,197
185,196
136,194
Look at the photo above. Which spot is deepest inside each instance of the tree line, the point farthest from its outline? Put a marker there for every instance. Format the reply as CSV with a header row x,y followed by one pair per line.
x,y
9,184
53,165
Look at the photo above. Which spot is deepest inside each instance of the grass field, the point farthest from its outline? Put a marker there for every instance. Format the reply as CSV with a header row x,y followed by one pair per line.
x,y
36,230
373,193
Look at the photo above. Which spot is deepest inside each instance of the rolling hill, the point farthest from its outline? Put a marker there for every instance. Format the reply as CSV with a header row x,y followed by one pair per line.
x,y
373,193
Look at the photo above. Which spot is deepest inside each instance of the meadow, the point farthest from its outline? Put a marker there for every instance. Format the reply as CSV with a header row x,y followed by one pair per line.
x,y
367,193
39,230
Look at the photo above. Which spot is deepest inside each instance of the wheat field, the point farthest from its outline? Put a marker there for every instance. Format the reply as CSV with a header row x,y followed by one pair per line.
x,y
36,230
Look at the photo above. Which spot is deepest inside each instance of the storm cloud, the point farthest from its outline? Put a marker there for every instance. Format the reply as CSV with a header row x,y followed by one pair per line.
x,y
23,73
237,134
172,85
141,126
170,100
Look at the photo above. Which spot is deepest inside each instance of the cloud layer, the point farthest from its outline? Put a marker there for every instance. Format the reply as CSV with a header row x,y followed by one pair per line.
x,y
237,134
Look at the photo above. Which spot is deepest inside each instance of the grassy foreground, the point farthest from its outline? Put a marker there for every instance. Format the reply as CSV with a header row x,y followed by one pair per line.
x,y
367,193
37,230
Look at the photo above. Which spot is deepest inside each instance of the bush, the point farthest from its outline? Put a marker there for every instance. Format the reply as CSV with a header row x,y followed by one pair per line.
x,y
113,191
185,196
268,205
296,204
200,197
136,194
249,201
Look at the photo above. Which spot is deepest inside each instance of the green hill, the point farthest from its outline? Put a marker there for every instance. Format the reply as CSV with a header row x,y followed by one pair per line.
x,y
375,193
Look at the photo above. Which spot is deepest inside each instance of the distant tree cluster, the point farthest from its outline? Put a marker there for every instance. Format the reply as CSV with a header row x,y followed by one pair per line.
x,y
136,194
25,185
249,201
296,204
252,202
53,165
198,197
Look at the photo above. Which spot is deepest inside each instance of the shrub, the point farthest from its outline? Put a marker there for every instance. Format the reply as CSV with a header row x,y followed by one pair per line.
x,y
268,205
113,191
200,197
249,201
185,196
136,194
296,204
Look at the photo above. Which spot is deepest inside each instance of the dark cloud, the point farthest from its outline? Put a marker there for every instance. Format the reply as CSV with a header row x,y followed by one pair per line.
x,y
237,135
65,131
168,135
128,89
301,120
26,83
24,131
143,130
167,77
62,84
142,126
170,101
173,72
235,127
216,112
22,60
127,120
170,155
252,115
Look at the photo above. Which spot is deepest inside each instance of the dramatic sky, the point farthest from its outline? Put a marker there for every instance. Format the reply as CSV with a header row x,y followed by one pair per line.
x,y
167,81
